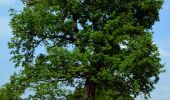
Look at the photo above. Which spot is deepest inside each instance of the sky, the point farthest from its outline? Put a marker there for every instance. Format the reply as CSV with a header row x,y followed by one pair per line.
x,y
161,37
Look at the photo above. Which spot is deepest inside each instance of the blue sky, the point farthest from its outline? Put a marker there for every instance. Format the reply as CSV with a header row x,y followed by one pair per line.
x,y
161,37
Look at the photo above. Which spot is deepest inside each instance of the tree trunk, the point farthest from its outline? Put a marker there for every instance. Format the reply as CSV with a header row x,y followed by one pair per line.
x,y
89,90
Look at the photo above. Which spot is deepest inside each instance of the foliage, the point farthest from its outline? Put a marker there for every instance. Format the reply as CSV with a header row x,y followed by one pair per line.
x,y
102,47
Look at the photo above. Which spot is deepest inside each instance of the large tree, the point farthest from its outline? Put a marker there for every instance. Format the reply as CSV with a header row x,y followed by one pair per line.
x,y
96,48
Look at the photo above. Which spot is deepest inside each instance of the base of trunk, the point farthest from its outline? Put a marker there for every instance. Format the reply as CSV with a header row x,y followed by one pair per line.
x,y
89,90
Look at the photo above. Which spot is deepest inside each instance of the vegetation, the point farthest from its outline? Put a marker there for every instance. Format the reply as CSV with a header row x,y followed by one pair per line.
x,y
84,49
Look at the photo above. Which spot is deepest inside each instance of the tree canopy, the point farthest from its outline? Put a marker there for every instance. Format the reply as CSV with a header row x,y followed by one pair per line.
x,y
91,49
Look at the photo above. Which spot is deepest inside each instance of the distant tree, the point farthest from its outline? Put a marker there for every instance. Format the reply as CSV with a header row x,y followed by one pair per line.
x,y
94,49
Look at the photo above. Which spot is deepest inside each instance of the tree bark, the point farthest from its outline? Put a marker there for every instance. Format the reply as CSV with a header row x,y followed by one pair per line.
x,y
89,90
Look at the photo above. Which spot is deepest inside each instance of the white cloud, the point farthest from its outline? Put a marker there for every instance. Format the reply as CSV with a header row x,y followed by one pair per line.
x,y
162,94
164,53
5,28
7,2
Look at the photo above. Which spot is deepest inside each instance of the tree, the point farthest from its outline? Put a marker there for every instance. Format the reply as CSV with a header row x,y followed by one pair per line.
x,y
101,48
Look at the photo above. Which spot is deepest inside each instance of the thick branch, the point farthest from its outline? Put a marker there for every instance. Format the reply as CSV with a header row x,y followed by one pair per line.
x,y
89,90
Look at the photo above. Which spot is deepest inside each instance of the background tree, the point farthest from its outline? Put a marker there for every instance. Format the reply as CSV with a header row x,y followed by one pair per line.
x,y
98,47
